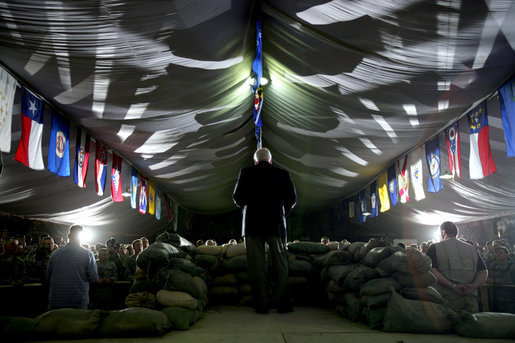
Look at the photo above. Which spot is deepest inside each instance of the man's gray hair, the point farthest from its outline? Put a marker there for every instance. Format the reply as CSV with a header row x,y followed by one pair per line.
x,y
263,154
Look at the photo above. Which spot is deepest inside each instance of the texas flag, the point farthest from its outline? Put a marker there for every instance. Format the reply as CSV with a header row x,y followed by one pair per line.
x,y
59,147
116,179
143,197
29,150
481,163
403,182
452,138
100,168
81,158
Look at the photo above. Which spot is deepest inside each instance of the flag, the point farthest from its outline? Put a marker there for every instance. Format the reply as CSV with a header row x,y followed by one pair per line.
x,y
116,179
434,183
151,198
383,193
158,204
143,196
29,150
134,188
257,68
100,168
481,162
416,173
59,147
373,200
392,184
357,208
81,158
452,138
362,206
7,92
402,166
507,103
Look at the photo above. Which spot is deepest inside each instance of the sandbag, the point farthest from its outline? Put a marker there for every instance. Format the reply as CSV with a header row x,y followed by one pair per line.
x,y
358,277
333,287
308,248
374,317
340,273
235,263
141,299
201,285
333,245
486,325
406,315
213,250
352,309
300,267
176,280
224,280
355,249
188,267
69,323
297,280
235,250
424,294
14,329
176,298
415,280
245,289
134,322
379,286
208,262
375,301
223,290
180,318
406,261
376,255
243,276
155,257
334,257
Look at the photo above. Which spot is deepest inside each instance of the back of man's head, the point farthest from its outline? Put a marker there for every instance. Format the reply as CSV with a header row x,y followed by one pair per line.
x,y
450,229
262,154
74,232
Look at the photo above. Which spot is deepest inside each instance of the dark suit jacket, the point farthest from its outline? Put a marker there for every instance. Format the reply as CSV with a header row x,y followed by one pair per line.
x,y
266,194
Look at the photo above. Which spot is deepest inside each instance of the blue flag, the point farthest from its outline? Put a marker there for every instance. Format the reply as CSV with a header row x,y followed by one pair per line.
x,y
257,68
59,147
362,206
158,204
134,188
507,102
374,209
434,184
392,184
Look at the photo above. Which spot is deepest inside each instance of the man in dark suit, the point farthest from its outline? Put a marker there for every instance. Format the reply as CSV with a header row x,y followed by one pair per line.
x,y
266,195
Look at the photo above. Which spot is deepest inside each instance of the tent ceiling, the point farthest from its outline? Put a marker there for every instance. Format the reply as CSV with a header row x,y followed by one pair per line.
x,y
354,85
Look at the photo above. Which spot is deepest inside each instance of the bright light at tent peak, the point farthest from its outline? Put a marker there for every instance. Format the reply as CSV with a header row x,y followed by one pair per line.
x,y
86,236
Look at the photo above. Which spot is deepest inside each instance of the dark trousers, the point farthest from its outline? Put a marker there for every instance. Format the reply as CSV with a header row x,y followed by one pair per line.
x,y
260,281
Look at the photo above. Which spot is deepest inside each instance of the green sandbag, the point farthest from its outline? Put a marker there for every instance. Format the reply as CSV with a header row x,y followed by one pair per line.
x,y
235,263
375,301
358,277
486,325
424,294
352,309
379,286
340,273
179,317
208,262
376,255
15,329
415,280
134,322
188,267
155,257
406,261
176,280
415,316
334,257
143,285
69,323
300,267
374,317
314,248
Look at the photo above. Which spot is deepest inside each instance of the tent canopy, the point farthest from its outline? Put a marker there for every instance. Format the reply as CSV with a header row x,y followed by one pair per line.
x,y
354,86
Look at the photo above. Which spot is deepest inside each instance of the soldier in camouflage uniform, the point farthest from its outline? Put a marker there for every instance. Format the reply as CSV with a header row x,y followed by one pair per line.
x,y
130,264
37,263
502,272
102,292
12,267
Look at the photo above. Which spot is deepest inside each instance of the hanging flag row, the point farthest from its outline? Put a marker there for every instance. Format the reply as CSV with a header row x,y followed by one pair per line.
x,y
29,152
393,186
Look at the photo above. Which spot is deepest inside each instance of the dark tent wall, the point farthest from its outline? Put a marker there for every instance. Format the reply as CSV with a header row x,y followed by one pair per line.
x,y
354,86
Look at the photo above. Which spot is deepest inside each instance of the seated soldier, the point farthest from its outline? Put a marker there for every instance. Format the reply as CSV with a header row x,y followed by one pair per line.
x,y
102,292
12,267
38,262
502,272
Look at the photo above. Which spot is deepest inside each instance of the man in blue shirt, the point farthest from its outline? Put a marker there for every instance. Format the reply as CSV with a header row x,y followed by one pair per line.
x,y
70,271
